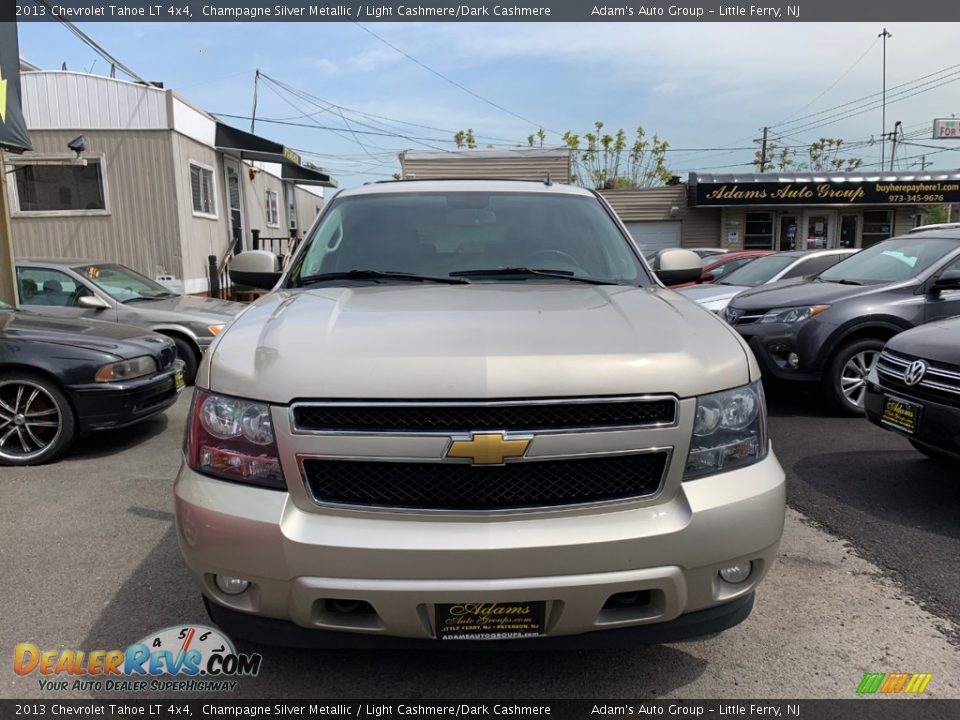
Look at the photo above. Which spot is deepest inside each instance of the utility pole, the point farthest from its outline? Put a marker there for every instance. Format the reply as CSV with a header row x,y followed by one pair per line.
x,y
883,133
893,137
253,115
763,149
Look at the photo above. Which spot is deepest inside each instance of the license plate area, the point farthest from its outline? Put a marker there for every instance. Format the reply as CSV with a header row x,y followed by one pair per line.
x,y
179,380
900,414
490,620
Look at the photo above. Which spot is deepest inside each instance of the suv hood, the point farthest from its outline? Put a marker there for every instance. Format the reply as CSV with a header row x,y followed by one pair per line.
x,y
708,293
473,342
805,292
938,341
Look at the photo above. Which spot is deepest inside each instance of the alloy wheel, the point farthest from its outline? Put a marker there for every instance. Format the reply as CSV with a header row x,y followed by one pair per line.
x,y
853,377
30,420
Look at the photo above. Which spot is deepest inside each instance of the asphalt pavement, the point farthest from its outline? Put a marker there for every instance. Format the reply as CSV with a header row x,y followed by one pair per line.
x,y
866,581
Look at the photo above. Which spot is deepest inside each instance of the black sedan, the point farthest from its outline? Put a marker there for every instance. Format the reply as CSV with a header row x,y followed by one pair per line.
x,y
60,378
915,388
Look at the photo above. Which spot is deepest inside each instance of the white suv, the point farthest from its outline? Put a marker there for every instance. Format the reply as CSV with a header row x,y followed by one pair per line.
x,y
468,410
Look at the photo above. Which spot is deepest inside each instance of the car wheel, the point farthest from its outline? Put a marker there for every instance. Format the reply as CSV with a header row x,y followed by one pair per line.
x,y
846,381
932,453
36,421
187,353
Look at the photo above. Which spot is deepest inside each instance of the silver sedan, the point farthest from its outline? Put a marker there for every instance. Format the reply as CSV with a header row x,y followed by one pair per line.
x,y
115,293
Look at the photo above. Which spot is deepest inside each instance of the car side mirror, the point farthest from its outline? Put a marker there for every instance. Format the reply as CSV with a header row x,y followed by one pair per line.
x,y
256,268
950,280
92,302
679,266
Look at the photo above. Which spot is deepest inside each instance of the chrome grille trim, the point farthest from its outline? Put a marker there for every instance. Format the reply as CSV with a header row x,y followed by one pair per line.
x,y
894,366
296,429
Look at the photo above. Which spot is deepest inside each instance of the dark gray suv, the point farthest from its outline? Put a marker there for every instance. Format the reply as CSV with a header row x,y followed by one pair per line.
x,y
830,329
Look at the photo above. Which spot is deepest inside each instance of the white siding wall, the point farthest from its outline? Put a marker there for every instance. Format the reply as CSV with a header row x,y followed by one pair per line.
x,y
58,99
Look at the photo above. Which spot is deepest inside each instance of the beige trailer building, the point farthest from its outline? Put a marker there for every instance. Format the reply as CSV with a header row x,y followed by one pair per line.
x,y
161,185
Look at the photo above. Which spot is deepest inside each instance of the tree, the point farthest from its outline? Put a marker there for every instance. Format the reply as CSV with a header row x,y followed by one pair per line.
x,y
608,162
465,139
933,214
822,155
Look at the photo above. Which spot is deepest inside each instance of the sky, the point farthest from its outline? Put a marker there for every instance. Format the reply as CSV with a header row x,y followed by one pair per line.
x,y
706,88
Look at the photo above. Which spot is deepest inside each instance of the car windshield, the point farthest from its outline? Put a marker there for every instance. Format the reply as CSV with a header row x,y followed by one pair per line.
x,y
759,271
123,284
472,235
891,260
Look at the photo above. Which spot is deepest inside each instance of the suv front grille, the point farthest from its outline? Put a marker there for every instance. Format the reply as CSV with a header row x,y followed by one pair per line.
x,y
940,383
456,486
468,416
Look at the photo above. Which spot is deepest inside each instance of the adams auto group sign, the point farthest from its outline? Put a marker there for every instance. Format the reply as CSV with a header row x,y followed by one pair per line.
x,y
843,192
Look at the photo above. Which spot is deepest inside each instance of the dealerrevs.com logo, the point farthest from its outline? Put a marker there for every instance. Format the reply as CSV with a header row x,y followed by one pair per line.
x,y
191,658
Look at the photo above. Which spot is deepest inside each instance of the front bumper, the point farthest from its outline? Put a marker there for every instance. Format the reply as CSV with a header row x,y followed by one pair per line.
x,y
403,564
772,344
106,406
939,426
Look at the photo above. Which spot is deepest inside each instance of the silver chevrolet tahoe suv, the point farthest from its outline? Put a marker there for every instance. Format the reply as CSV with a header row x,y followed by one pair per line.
x,y
468,410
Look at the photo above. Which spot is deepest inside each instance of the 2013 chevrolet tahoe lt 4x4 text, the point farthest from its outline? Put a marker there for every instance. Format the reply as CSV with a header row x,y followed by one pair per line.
x,y
468,410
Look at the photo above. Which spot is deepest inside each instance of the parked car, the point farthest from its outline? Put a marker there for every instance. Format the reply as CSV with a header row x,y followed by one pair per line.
x,y
115,293
652,256
716,267
403,440
831,329
764,271
914,388
62,377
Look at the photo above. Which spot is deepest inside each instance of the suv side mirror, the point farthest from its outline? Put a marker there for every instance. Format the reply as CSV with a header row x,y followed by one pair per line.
x,y
256,268
92,302
950,280
678,266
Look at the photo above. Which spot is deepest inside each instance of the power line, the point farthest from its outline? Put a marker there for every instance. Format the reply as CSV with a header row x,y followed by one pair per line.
x,y
453,82
91,42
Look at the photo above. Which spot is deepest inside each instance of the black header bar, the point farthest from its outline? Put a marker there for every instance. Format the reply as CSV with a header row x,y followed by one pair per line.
x,y
472,11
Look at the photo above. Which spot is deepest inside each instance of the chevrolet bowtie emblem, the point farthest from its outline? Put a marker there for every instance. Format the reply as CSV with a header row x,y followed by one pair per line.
x,y
488,448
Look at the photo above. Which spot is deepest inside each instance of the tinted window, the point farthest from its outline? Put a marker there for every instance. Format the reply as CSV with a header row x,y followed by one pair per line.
x,y
729,266
759,271
436,234
813,266
39,286
896,259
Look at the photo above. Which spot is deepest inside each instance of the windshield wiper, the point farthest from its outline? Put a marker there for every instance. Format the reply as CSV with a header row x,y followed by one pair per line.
x,y
148,298
845,281
376,275
531,272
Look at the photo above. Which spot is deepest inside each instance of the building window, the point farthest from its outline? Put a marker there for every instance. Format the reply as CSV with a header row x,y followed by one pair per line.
x,y
64,188
877,226
273,210
290,202
758,233
202,190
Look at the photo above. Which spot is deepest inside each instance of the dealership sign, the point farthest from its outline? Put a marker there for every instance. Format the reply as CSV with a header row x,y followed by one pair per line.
x,y
825,192
946,128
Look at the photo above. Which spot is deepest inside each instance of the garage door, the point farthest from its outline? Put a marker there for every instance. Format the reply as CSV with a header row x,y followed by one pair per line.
x,y
652,235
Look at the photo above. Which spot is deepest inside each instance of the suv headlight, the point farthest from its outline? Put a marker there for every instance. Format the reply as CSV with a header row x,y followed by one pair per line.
x,y
729,431
233,439
791,315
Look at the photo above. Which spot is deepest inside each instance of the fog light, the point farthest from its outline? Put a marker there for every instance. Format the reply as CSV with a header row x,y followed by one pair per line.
x,y
793,360
231,585
736,573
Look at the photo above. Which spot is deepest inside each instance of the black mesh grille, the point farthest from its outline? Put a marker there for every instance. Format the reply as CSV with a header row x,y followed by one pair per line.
x,y
464,418
454,486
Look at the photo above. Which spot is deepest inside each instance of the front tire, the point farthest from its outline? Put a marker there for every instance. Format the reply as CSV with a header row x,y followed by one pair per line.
x,y
846,380
188,353
37,422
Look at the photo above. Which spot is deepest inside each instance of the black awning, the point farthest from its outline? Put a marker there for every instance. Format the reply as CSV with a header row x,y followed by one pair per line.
x,y
253,147
305,176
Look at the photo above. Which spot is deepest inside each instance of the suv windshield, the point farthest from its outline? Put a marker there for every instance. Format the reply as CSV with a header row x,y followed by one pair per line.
x,y
123,284
891,260
759,271
471,235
